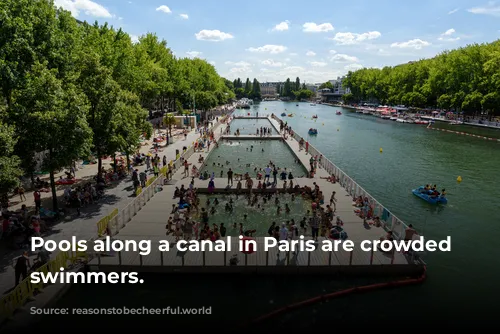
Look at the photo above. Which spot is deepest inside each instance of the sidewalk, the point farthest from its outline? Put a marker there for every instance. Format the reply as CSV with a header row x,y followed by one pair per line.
x,y
84,226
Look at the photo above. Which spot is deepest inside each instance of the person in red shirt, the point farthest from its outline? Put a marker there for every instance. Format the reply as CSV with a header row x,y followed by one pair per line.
x,y
38,199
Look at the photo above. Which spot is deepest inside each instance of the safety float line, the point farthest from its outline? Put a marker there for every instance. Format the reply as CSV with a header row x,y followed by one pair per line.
x,y
465,134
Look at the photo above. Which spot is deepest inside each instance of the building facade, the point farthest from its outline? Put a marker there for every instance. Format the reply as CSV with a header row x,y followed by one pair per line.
x,y
268,88
337,86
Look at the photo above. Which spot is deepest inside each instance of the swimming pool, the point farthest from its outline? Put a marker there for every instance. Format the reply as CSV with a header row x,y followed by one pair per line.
x,y
251,155
258,217
250,126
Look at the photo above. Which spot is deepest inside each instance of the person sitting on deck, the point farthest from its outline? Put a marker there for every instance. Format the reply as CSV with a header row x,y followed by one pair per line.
x,y
283,174
201,159
330,178
195,172
177,192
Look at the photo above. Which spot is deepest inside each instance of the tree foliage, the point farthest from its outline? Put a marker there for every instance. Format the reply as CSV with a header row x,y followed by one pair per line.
x,y
465,79
71,88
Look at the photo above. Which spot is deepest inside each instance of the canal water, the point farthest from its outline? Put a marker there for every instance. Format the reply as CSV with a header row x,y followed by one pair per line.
x,y
462,285
465,278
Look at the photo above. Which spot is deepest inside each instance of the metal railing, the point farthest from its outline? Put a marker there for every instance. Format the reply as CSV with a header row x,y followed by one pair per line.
x,y
115,222
287,258
389,221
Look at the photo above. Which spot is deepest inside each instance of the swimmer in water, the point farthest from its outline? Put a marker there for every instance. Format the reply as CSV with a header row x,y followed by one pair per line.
x,y
216,201
278,210
245,216
212,210
287,208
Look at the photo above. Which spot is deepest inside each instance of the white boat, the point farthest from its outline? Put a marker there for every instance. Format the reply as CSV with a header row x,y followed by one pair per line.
x,y
455,123
313,104
400,120
366,111
393,118
421,121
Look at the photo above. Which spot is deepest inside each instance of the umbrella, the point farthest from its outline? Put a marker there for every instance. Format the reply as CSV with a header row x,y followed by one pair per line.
x,y
247,245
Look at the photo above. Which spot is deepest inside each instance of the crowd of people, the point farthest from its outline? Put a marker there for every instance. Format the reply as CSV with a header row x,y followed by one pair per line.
x,y
191,218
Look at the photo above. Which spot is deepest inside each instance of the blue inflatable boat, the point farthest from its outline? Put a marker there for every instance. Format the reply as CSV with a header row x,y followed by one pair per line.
x,y
313,132
420,192
283,114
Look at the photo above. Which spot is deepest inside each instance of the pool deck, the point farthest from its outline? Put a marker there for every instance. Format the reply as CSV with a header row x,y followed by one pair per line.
x,y
251,137
150,223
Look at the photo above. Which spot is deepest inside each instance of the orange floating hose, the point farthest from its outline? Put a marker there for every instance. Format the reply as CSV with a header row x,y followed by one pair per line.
x,y
340,293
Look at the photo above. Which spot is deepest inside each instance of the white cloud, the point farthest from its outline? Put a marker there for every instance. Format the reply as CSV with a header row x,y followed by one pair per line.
x,y
453,11
269,48
120,18
310,53
446,36
353,67
349,38
238,64
240,70
313,27
239,67
449,32
88,7
212,62
343,58
282,26
164,9
416,44
490,9
194,54
184,16
134,38
317,63
212,35
332,52
272,63
293,54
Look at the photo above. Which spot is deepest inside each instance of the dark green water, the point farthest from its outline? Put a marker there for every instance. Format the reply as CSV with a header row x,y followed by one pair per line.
x,y
412,156
462,285
251,156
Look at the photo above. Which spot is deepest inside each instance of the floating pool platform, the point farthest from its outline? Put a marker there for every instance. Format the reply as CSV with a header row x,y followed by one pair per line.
x,y
149,224
250,137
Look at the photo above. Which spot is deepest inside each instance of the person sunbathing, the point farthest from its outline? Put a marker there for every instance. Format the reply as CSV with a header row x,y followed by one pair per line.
x,y
330,178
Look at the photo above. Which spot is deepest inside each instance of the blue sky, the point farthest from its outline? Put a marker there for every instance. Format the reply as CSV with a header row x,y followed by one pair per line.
x,y
315,40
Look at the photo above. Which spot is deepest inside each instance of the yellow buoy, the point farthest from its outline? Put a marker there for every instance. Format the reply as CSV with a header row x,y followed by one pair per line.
x,y
381,150
459,179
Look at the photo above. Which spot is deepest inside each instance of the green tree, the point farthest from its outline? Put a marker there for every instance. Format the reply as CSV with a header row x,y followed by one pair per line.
x,y
55,114
327,84
347,98
10,170
255,94
248,87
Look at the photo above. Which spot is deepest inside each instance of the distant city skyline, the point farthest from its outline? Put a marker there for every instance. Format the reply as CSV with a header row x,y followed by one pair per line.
x,y
318,42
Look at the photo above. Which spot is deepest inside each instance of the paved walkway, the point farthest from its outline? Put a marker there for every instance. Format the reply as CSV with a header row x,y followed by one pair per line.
x,y
84,226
